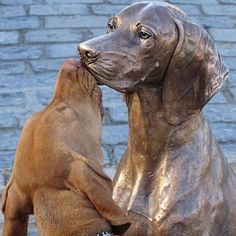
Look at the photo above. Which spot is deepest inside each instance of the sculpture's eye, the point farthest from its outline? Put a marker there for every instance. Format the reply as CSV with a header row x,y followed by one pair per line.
x,y
143,32
144,35
110,27
112,24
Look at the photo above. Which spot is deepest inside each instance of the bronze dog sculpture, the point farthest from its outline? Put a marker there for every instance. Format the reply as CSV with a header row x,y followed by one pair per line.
x,y
58,173
173,179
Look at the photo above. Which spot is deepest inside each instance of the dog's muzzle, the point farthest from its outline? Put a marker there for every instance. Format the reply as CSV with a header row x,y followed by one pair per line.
x,y
87,54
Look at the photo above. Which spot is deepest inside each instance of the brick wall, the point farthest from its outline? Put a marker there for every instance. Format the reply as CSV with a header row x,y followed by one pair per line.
x,y
36,36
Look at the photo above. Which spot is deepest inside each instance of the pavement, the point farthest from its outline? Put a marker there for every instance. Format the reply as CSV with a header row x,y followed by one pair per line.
x,y
36,36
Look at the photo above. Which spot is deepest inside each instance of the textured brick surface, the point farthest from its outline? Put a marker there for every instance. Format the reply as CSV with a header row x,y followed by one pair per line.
x,y
53,35
36,36
12,68
223,35
12,11
20,52
20,23
9,37
75,21
56,9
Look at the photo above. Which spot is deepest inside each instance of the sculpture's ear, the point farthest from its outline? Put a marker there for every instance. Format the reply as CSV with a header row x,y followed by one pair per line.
x,y
195,73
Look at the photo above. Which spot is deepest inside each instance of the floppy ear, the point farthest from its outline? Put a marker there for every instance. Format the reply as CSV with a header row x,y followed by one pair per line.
x,y
195,73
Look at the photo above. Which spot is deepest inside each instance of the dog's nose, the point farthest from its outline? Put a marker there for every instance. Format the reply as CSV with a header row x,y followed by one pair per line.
x,y
87,53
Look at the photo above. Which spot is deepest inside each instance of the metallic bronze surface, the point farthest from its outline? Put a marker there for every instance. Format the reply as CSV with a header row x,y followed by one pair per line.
x,y
57,174
173,178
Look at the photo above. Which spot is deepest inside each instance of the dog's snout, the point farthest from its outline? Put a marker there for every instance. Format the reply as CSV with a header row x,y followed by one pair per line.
x,y
87,53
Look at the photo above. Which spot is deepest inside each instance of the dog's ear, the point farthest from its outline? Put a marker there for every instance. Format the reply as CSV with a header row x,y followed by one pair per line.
x,y
195,73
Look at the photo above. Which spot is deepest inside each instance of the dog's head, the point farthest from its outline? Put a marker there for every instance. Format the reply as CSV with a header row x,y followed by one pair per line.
x,y
155,44
75,82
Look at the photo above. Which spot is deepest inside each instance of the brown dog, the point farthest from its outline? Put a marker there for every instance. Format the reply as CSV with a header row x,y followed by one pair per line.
x,y
173,179
57,173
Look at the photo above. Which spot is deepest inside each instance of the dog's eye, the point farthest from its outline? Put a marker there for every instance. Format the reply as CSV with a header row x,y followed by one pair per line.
x,y
144,35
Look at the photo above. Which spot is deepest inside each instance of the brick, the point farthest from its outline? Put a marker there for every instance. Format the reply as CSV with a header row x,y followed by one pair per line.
x,y
46,65
12,11
228,1
7,37
12,99
110,93
218,98
106,157
9,140
220,112
59,9
23,116
19,2
2,187
224,35
224,132
115,134
8,121
219,10
29,22
193,1
44,96
57,35
123,1
75,21
31,100
110,171
233,91
214,21
191,10
233,166
6,159
230,62
227,49
97,32
229,152
119,113
105,9
232,79
119,151
62,50
111,98
73,1
12,67
27,81
21,52
33,230
111,103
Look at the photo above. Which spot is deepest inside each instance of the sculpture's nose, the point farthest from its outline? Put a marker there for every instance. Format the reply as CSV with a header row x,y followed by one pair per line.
x,y
87,53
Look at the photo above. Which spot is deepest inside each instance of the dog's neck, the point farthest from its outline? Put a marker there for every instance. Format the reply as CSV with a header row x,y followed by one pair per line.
x,y
158,151
150,133
72,99
69,90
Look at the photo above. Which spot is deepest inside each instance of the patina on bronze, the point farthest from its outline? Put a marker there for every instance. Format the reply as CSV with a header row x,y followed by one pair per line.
x,y
173,178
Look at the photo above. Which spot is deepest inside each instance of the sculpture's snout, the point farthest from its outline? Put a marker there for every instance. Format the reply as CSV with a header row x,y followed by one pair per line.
x,y
87,53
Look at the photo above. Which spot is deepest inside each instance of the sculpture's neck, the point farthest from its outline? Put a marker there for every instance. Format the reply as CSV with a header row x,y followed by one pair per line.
x,y
150,133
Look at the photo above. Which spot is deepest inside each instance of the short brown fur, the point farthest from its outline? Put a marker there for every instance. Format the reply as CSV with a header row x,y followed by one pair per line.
x,y
58,173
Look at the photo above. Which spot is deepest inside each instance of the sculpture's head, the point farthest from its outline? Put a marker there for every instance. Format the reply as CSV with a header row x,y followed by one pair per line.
x,y
155,44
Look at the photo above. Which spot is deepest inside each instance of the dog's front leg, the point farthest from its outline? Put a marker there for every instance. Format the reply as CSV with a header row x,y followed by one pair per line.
x,y
98,187
15,216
